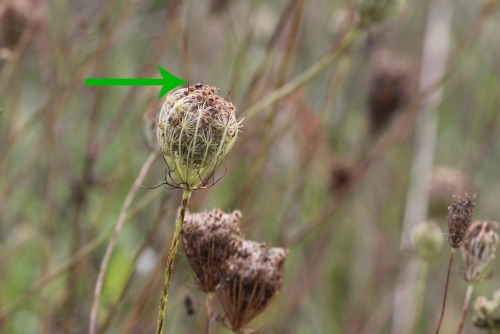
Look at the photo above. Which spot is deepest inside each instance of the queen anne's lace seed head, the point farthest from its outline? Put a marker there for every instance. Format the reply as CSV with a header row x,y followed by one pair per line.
x,y
253,278
478,250
196,130
209,239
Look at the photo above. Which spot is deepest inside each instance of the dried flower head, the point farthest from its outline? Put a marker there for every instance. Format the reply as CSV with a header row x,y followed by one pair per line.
x,y
390,87
17,16
428,240
341,174
196,129
209,239
254,277
487,313
478,250
459,219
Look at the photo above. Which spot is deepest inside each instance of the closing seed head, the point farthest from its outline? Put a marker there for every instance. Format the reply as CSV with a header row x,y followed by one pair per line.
x,y
478,250
196,130
428,239
459,219
254,277
209,239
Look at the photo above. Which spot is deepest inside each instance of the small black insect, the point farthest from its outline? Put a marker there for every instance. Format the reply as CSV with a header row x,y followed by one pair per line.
x,y
189,304
198,85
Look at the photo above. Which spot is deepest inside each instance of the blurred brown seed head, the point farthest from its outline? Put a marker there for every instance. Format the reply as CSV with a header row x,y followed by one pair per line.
x,y
209,239
487,312
16,16
428,240
254,277
459,219
217,6
478,250
341,174
445,182
389,88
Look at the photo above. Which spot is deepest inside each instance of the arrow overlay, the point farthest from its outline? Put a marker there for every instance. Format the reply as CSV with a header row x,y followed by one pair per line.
x,y
168,82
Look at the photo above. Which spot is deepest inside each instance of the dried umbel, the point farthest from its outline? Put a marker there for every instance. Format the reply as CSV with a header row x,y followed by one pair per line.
x,y
389,87
428,240
196,129
459,219
487,313
478,250
254,277
209,239
341,174
17,16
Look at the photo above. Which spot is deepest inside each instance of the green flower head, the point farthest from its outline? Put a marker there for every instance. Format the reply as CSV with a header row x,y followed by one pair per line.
x,y
196,130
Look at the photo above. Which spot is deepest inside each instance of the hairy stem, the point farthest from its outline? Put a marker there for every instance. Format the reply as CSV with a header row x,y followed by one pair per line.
x,y
445,291
186,195
465,308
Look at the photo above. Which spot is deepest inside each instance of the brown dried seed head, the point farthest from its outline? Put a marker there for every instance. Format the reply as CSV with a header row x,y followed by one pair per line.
x,y
209,239
478,250
390,88
17,16
459,219
254,277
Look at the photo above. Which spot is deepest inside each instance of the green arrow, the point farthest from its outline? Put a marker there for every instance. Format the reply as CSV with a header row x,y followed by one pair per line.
x,y
168,81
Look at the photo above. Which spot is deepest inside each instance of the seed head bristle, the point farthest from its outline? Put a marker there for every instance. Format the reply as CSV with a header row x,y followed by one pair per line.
x,y
459,219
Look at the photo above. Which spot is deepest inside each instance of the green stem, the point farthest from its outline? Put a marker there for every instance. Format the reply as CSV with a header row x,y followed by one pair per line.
x,y
186,195
420,292
465,308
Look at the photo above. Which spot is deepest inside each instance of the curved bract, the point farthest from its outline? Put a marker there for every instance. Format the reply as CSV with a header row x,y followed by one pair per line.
x,y
196,130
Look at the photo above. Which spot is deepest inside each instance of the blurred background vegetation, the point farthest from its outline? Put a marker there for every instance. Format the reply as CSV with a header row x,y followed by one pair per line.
x,y
357,127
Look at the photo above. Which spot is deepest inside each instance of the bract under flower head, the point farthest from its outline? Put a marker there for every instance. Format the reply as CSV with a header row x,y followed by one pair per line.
x,y
196,130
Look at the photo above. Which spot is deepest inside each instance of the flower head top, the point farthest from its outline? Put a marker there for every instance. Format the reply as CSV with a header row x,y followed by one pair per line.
x,y
196,130
459,219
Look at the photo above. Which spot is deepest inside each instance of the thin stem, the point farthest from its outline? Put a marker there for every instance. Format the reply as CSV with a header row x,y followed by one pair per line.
x,y
208,311
186,195
465,308
119,224
445,290
420,292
